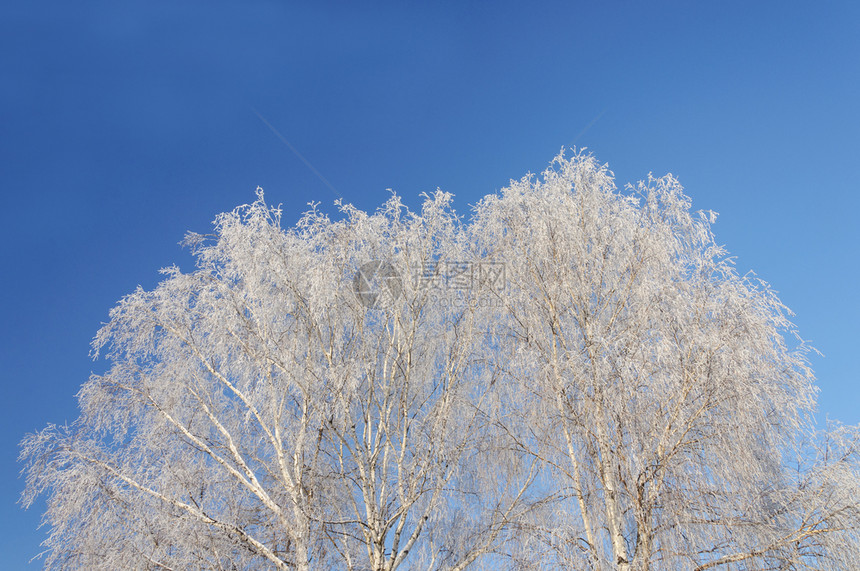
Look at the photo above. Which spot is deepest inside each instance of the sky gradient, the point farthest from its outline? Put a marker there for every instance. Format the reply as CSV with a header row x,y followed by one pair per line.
x,y
124,126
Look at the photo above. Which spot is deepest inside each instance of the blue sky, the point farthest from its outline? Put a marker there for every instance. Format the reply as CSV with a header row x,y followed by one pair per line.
x,y
124,125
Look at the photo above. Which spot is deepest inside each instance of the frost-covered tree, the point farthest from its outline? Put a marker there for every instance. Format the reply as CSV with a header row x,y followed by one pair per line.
x,y
361,393
258,414
657,386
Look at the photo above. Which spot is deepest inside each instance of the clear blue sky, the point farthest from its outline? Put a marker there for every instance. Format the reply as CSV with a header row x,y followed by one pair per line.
x,y
123,125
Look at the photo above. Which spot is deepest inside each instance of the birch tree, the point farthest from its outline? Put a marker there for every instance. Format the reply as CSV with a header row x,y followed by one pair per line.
x,y
321,397
258,414
667,395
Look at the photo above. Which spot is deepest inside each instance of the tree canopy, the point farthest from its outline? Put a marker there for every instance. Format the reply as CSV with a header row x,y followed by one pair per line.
x,y
574,377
